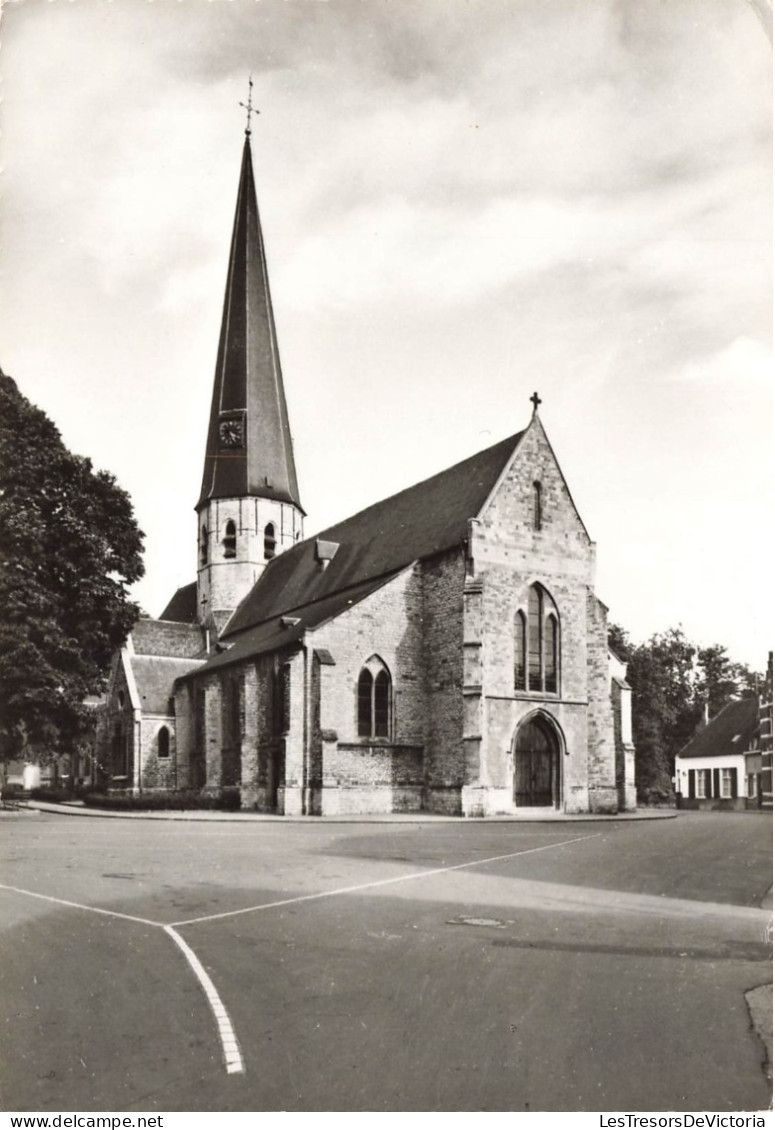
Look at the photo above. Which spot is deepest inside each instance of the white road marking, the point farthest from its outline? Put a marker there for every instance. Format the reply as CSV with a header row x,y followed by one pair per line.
x,y
231,1052
81,906
381,882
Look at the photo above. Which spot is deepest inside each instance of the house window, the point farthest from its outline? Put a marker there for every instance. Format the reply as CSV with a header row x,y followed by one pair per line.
x,y
702,782
538,514
728,782
230,540
543,644
203,546
270,541
753,790
374,700
163,742
520,639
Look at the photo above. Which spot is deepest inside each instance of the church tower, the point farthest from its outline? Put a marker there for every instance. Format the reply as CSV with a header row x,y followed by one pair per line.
x,y
249,508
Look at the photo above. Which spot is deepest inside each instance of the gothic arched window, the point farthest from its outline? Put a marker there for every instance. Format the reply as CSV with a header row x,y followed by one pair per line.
x,y
230,540
203,546
542,647
163,742
270,541
374,700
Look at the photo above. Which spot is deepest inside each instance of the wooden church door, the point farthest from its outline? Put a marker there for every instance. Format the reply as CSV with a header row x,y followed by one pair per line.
x,y
536,766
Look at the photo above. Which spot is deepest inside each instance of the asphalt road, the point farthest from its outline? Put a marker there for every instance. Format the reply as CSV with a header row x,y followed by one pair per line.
x,y
460,967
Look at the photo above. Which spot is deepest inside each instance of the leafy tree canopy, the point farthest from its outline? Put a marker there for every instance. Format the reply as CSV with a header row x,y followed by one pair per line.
x,y
675,685
69,549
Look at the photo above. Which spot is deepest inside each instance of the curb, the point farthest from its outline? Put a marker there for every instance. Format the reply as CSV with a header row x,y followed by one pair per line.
x,y
206,816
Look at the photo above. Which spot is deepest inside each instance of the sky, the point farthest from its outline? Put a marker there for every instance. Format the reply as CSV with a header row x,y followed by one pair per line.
x,y
463,202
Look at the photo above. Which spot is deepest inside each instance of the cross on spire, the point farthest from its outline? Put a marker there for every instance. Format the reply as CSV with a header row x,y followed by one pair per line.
x,y
249,106
536,400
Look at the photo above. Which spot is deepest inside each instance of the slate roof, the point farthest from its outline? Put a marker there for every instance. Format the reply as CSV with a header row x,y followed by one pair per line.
x,y
248,390
376,543
155,677
182,606
729,732
272,635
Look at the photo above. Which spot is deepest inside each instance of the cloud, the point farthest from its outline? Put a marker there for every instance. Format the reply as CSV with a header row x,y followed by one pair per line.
x,y
743,362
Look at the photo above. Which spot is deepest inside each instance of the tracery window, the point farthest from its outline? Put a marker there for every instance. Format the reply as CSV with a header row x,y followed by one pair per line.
x,y
537,644
374,700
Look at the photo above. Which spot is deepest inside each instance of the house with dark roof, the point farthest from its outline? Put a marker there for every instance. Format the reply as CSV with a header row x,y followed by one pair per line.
x,y
720,767
727,764
442,650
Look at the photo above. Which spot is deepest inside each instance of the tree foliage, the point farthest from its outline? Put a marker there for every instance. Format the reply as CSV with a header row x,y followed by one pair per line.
x,y
69,549
675,685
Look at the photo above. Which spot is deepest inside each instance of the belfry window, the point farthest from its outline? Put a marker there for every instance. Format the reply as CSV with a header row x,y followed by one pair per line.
x,y
270,541
374,700
537,644
203,546
230,540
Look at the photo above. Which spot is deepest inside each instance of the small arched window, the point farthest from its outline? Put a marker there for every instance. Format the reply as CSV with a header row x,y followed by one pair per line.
x,y
374,700
163,742
121,700
538,515
270,541
520,640
203,546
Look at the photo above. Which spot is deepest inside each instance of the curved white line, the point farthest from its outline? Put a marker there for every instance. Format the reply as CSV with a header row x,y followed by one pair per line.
x,y
231,1051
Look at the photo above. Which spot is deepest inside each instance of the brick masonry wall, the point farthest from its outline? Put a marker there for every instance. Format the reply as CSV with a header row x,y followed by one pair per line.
x,y
387,624
160,637
508,554
603,795
443,580
223,582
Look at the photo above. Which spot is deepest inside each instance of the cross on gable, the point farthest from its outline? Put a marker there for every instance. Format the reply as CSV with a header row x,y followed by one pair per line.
x,y
536,400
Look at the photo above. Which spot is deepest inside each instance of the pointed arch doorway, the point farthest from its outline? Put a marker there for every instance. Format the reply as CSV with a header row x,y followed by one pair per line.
x,y
537,764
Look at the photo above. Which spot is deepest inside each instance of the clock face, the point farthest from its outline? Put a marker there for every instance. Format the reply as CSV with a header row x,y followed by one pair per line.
x,y
230,432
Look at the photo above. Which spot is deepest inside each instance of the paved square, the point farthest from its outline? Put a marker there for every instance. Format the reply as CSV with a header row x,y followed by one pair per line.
x,y
383,966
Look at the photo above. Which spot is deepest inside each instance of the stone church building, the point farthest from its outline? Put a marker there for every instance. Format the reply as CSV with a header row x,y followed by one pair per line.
x,y
441,651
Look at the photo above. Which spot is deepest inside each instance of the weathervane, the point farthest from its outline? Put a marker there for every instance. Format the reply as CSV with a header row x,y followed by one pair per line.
x,y
249,106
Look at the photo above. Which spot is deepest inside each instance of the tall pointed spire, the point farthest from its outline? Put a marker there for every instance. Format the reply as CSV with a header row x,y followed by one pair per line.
x,y
249,451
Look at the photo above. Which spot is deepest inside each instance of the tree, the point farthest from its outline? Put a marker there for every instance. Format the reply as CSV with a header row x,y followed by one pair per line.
x,y
69,549
720,679
673,681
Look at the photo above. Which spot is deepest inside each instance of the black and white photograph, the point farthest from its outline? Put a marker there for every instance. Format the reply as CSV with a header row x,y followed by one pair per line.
x,y
386,551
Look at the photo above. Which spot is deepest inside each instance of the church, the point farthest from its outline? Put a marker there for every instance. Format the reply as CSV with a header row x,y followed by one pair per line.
x,y
441,651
